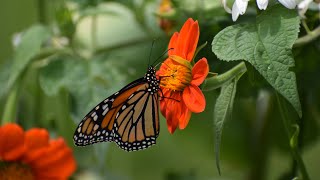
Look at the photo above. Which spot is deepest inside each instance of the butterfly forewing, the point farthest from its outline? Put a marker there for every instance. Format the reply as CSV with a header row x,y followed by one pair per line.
x,y
93,128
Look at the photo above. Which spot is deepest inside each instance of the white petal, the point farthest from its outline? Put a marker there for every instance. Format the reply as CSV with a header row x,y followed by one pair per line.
x,y
235,12
226,8
262,4
304,4
241,5
290,4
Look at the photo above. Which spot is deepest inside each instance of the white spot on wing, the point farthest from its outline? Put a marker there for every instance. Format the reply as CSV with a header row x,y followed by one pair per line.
x,y
105,111
93,114
95,127
104,106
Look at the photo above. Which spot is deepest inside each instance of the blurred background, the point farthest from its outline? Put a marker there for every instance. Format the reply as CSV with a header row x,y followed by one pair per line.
x,y
81,51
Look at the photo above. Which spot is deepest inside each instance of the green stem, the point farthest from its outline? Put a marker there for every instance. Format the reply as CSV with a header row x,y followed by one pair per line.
x,y
215,82
10,108
294,149
304,24
311,36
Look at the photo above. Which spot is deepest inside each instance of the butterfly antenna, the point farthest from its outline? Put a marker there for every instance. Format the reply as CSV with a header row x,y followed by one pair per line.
x,y
162,55
151,52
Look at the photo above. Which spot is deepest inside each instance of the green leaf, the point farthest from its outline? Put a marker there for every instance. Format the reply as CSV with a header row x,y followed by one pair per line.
x,y
222,111
266,44
87,81
29,46
63,72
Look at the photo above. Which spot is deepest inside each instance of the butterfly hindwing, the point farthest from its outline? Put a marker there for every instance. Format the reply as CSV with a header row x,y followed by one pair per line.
x,y
137,122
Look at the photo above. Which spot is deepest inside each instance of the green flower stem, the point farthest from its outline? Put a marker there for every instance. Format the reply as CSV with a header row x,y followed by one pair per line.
x,y
294,149
215,82
10,108
311,36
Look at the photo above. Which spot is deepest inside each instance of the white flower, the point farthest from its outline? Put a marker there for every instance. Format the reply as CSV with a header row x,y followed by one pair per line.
x,y
290,4
262,4
239,8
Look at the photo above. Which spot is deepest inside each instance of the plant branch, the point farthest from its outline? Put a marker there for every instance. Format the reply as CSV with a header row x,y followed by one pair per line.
x,y
313,35
215,82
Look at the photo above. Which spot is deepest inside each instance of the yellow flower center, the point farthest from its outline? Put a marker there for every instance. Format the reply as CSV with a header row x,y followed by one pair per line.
x,y
13,171
176,77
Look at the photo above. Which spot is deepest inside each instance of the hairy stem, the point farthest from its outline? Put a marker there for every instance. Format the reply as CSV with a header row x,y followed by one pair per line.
x,y
215,82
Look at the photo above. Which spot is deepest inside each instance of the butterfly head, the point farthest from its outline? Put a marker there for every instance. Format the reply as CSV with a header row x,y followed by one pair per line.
x,y
152,80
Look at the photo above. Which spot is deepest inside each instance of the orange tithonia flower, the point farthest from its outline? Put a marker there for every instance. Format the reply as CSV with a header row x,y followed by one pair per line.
x,y
32,155
180,80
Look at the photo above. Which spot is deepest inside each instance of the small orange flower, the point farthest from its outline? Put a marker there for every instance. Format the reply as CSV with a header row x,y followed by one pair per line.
x,y
32,155
166,9
180,81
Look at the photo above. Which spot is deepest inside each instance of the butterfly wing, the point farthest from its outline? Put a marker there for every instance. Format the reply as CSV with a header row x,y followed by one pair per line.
x,y
97,125
129,117
136,126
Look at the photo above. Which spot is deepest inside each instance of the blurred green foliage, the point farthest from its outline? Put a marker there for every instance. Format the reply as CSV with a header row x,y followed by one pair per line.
x,y
70,54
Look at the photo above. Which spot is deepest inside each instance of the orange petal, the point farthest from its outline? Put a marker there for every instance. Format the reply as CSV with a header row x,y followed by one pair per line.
x,y
182,39
55,161
173,43
11,142
184,116
163,101
172,123
36,138
187,40
192,41
194,98
200,71
172,109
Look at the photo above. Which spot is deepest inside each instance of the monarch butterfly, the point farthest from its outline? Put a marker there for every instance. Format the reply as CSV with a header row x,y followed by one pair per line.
x,y
129,117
